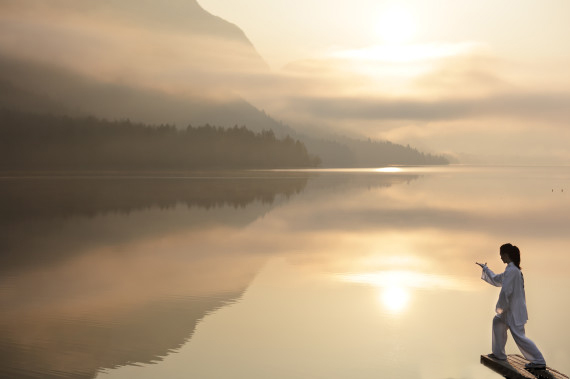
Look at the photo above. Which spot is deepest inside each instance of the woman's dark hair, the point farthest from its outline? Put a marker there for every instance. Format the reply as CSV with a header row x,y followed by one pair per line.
x,y
513,253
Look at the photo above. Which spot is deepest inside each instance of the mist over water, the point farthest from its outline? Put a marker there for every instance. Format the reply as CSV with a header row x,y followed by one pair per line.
x,y
281,274
216,189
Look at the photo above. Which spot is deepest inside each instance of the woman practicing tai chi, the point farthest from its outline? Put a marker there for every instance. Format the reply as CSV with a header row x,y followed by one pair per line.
x,y
511,308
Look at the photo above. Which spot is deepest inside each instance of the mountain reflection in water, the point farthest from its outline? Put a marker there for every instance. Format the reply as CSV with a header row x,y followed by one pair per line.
x,y
101,272
36,212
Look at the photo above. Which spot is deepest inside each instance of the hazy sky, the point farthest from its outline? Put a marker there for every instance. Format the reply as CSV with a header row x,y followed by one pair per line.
x,y
474,77
285,31
483,80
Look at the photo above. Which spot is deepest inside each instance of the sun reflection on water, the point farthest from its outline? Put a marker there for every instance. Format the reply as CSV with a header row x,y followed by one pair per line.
x,y
388,169
396,286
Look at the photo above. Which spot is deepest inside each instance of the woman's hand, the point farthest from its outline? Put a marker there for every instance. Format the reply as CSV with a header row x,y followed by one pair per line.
x,y
483,265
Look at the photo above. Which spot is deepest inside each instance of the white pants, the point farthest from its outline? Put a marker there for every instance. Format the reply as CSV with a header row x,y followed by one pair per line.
x,y
525,345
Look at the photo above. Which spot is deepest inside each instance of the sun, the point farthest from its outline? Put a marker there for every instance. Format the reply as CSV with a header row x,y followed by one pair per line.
x,y
396,26
395,298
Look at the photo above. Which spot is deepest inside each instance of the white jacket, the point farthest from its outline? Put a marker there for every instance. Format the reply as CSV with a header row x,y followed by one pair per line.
x,y
512,302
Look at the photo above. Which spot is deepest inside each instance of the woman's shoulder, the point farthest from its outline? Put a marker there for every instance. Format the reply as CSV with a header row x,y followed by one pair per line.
x,y
511,269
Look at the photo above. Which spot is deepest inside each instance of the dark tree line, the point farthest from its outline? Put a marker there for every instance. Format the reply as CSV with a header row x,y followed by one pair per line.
x,y
30,141
373,153
349,152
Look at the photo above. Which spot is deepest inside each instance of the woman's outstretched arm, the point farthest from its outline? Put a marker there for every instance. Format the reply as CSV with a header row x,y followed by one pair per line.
x,y
489,276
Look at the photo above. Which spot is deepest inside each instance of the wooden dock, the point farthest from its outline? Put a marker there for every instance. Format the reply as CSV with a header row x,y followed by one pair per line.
x,y
513,368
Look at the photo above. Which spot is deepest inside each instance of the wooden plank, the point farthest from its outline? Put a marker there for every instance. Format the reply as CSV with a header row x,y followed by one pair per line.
x,y
513,368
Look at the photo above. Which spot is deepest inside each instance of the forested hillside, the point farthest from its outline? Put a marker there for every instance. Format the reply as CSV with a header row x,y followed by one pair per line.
x,y
30,141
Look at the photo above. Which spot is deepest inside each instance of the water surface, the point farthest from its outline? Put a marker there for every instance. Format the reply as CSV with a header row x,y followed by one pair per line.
x,y
287,274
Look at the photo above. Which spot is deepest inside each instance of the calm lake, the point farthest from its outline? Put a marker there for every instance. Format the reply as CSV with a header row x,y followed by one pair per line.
x,y
283,274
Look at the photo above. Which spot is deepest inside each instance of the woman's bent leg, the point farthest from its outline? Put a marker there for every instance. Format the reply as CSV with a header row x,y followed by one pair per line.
x,y
499,337
526,346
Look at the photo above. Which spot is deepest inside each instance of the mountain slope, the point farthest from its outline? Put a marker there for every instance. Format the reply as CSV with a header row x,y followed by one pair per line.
x,y
140,60
37,87
176,46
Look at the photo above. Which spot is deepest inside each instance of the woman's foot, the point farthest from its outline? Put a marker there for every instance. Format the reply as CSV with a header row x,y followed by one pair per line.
x,y
493,356
535,366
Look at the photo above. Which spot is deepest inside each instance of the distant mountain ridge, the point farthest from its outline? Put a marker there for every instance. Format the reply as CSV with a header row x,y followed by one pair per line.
x,y
186,16
187,71
183,15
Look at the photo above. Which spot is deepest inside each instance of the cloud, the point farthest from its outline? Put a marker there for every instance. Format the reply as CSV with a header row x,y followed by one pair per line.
x,y
555,106
419,83
463,100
